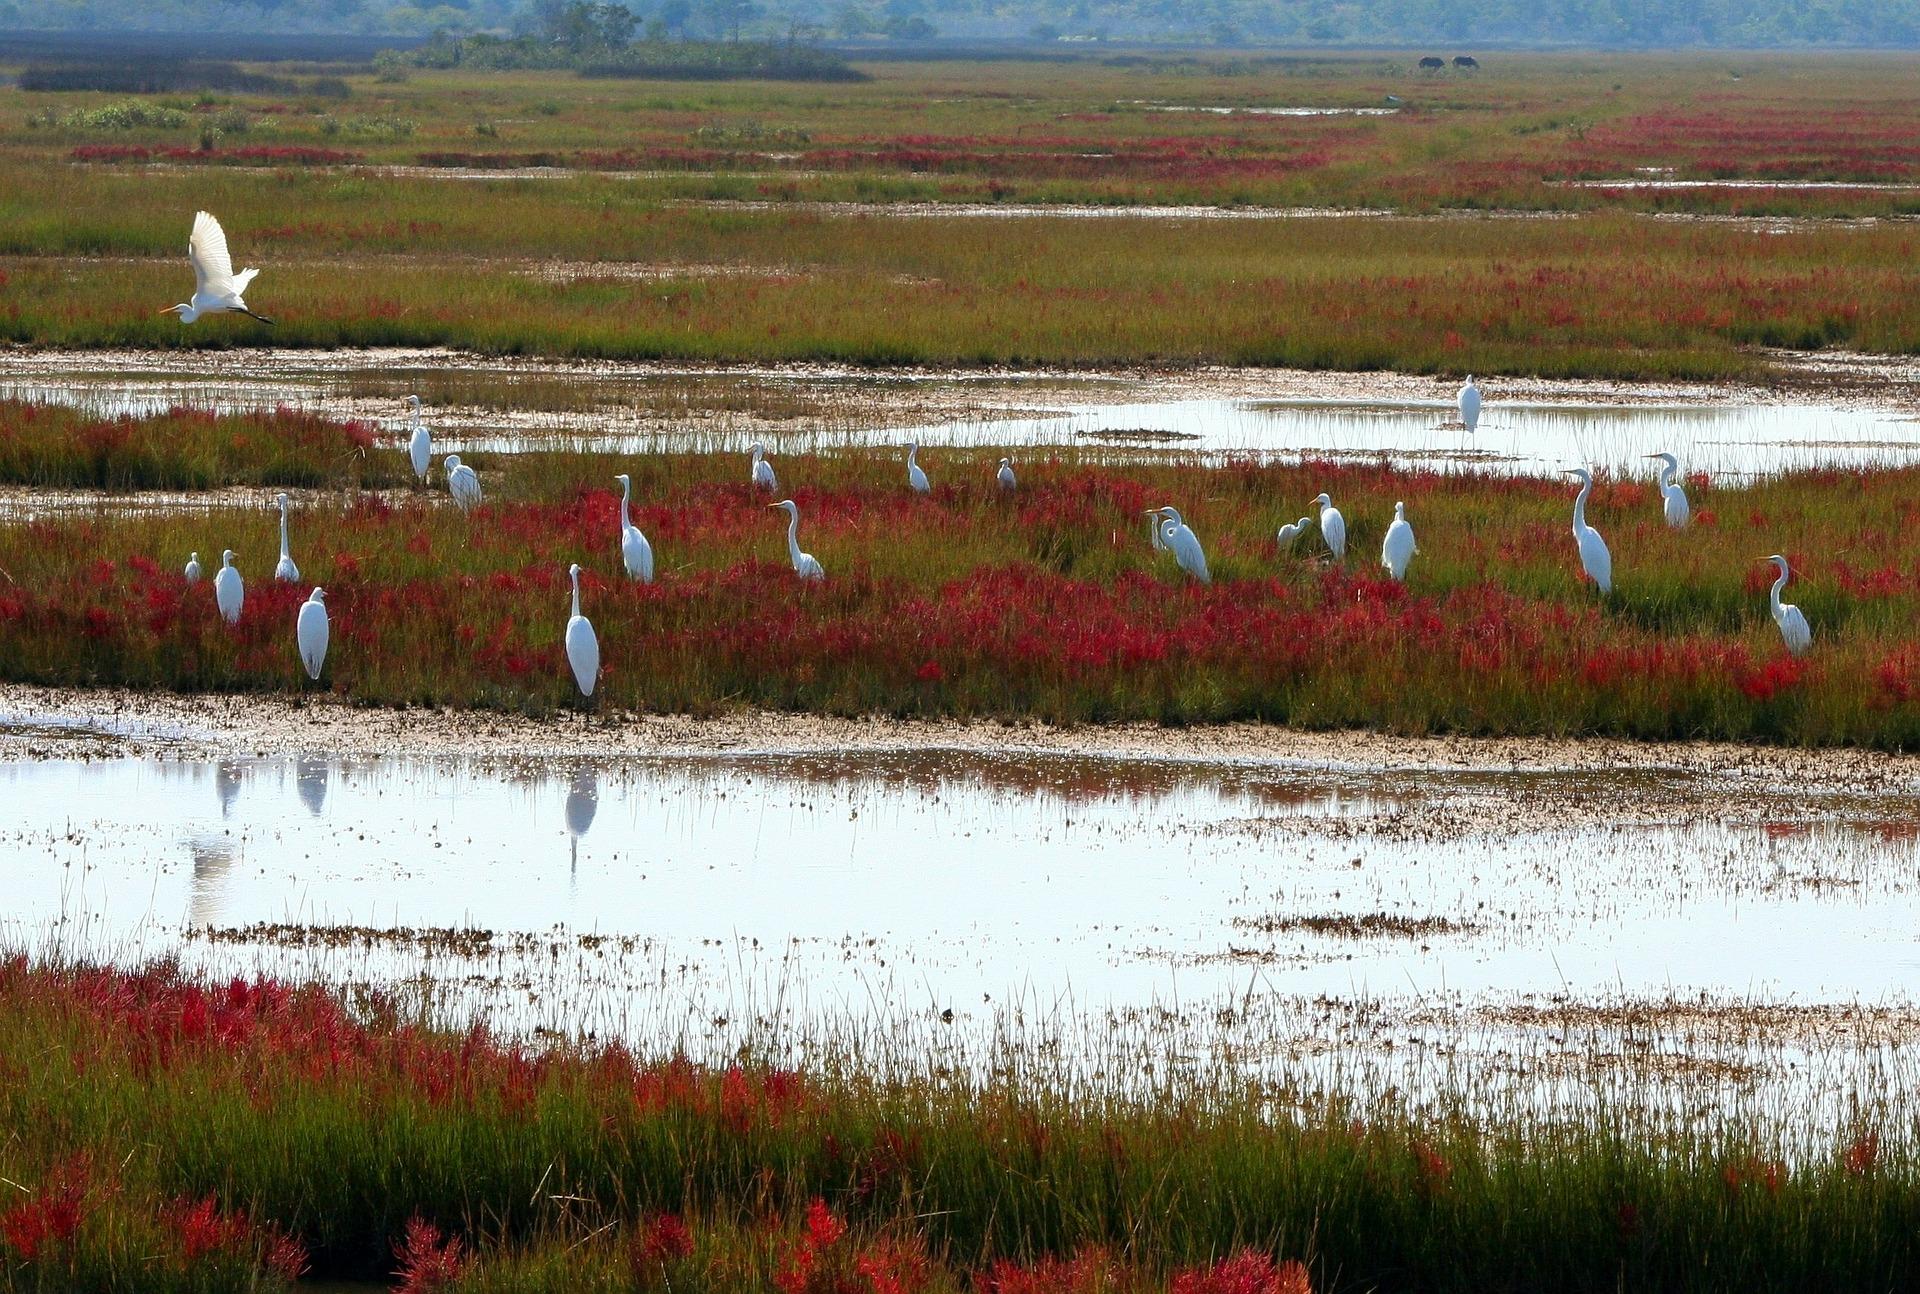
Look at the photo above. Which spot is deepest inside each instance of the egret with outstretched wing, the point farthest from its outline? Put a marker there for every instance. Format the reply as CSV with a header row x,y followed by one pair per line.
x,y
216,288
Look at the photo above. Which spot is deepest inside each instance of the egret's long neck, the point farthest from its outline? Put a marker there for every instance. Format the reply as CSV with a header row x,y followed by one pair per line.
x,y
283,532
1779,584
625,490
912,451
576,595
1667,474
793,536
1580,505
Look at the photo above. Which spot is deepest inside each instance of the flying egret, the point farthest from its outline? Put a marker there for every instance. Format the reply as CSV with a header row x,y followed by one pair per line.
x,y
462,482
583,648
762,472
1470,404
635,552
216,288
310,632
1179,539
285,570
1398,548
1593,549
1333,528
1676,507
1005,474
1290,532
420,443
804,564
193,568
229,591
1793,625
916,478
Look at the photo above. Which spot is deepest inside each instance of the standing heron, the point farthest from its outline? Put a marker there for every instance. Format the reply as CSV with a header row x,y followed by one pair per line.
x,y
804,564
216,288
1333,527
916,479
420,443
284,570
192,572
761,472
311,631
1469,404
1594,557
1674,499
583,647
1290,532
229,590
462,482
1005,474
1178,537
1794,630
1399,547
636,554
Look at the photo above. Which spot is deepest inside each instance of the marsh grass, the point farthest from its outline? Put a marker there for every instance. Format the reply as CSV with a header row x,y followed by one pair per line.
x,y
357,255
358,1129
1606,296
49,446
1045,604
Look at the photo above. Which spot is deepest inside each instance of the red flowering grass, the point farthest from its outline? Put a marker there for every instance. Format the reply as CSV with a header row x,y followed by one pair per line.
x,y
269,1117
429,1261
1046,604
186,449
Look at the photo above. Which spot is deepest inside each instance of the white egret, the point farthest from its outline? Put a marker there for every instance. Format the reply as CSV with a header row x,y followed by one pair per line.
x,y
1793,625
916,478
285,571
1594,556
1678,513
216,288
1333,528
1179,539
636,554
1470,404
804,564
762,471
311,631
583,648
1399,547
229,591
420,443
1005,474
1290,532
193,568
462,482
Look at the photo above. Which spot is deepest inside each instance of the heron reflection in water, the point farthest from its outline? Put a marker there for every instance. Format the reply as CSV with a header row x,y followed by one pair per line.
x,y
310,780
583,801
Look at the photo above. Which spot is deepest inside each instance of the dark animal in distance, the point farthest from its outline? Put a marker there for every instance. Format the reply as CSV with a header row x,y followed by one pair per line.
x,y
1466,60
1432,64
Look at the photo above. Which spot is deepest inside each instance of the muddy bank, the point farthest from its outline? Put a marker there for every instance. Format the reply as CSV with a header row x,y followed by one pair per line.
x,y
53,722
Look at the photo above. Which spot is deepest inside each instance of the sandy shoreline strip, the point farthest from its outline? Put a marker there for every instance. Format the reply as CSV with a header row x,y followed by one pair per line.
x,y
40,723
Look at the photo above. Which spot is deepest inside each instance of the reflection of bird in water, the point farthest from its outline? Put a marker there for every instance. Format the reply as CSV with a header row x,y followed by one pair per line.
x,y
212,858
310,779
583,801
226,784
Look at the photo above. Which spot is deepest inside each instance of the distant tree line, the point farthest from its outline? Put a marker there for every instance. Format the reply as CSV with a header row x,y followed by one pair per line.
x,y
606,39
585,28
